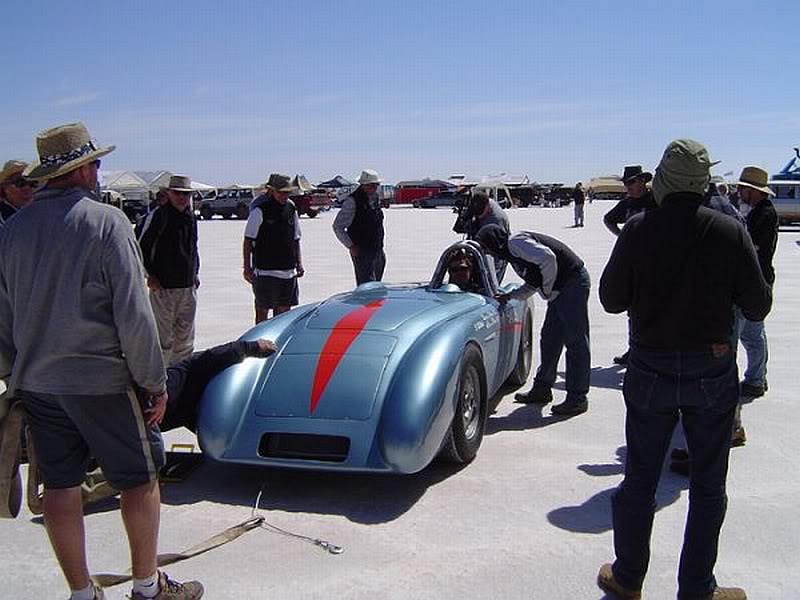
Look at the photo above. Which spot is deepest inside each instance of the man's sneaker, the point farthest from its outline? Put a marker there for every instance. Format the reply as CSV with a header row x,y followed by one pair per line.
x,y
738,438
622,359
750,390
172,590
728,593
607,583
538,394
571,407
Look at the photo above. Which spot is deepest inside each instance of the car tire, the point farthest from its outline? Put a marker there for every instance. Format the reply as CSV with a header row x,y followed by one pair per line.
x,y
206,214
469,421
311,213
524,354
242,212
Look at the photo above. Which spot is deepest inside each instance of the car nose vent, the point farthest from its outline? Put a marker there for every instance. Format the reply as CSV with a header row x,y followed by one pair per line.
x,y
303,446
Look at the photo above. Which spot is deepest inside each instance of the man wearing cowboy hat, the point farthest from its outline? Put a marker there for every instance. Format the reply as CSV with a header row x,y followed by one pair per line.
x,y
271,249
637,199
172,261
16,191
359,227
678,271
762,225
75,330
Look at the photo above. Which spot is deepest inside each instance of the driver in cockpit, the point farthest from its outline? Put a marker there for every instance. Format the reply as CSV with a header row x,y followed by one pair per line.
x,y
460,271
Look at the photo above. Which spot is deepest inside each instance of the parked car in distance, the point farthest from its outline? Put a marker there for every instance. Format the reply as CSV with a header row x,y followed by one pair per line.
x,y
312,203
445,198
786,200
228,202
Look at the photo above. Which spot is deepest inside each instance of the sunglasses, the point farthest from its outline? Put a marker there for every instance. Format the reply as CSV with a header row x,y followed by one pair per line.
x,y
458,269
21,182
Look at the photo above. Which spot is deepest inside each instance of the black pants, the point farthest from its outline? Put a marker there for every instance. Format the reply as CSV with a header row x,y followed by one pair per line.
x,y
369,265
702,389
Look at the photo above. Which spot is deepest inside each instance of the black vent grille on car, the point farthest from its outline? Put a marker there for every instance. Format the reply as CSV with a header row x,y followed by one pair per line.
x,y
304,446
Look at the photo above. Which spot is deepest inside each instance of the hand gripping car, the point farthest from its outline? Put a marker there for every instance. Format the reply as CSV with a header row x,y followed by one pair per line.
x,y
381,378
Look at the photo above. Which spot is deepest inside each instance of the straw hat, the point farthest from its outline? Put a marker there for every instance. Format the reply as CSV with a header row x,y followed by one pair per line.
x,y
369,176
756,178
278,182
180,183
11,168
63,149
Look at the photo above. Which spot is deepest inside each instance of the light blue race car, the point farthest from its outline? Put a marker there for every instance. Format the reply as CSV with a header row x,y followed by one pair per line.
x,y
382,378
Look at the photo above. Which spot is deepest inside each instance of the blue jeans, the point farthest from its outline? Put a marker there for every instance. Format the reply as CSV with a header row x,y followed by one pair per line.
x,y
369,265
566,324
754,339
579,215
700,388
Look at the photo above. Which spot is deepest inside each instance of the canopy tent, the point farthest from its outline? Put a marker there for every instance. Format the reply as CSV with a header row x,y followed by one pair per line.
x,y
336,182
301,183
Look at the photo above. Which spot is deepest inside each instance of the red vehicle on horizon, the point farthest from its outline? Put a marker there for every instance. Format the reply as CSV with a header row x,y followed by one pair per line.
x,y
410,192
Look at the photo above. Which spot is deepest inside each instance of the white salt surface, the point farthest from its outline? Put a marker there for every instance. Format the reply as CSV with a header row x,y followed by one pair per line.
x,y
529,518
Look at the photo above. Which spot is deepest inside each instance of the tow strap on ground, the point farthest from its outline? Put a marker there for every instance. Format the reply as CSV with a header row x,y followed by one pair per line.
x,y
110,579
255,521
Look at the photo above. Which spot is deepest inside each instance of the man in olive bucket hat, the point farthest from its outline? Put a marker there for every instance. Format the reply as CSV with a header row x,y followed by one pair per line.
x,y
75,329
679,271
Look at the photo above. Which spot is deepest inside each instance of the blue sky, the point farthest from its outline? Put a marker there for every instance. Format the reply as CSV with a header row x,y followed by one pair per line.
x,y
560,91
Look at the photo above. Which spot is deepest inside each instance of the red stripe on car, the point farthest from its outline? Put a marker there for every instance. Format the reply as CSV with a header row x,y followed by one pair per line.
x,y
344,333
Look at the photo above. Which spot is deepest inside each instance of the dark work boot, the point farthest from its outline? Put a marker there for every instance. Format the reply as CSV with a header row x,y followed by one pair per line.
x,y
538,394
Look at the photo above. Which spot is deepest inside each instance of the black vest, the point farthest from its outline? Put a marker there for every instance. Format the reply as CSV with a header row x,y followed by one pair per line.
x,y
567,262
366,230
275,244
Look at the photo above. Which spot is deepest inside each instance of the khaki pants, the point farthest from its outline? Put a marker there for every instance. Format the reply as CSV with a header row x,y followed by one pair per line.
x,y
175,310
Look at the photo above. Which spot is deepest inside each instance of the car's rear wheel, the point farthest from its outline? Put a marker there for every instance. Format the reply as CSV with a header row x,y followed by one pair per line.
x,y
311,213
469,421
205,213
242,212
525,352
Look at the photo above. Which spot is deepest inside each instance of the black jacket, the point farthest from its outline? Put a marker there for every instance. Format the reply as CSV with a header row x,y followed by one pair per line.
x,y
679,270
366,230
275,246
169,247
762,225
629,207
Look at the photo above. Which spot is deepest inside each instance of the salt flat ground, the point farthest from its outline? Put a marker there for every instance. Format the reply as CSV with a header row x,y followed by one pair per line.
x,y
529,518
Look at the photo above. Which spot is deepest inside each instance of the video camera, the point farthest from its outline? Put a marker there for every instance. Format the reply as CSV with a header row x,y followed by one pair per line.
x,y
467,218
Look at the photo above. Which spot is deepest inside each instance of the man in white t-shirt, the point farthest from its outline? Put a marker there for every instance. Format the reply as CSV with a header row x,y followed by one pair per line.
x,y
271,249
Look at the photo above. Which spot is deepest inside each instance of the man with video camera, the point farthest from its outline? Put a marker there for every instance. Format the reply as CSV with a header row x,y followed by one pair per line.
x,y
475,212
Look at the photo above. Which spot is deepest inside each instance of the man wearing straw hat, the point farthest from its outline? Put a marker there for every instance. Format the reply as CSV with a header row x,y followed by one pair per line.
x,y
271,249
172,261
762,225
76,331
359,227
16,191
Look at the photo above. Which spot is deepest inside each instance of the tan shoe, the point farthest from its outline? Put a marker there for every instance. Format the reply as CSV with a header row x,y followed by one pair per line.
x,y
607,583
172,590
728,593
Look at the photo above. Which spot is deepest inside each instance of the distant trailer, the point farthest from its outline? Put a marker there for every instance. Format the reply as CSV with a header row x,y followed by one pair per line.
x,y
606,188
410,192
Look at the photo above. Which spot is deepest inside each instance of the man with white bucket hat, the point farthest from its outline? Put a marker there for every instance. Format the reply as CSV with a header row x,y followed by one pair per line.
x,y
76,333
359,226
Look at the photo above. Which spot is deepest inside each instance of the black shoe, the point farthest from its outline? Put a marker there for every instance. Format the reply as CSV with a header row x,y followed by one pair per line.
x,y
749,390
538,394
571,407
622,359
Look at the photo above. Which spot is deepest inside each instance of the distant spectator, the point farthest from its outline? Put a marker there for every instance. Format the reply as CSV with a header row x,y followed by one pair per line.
x,y
579,198
16,191
271,249
359,227
172,260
